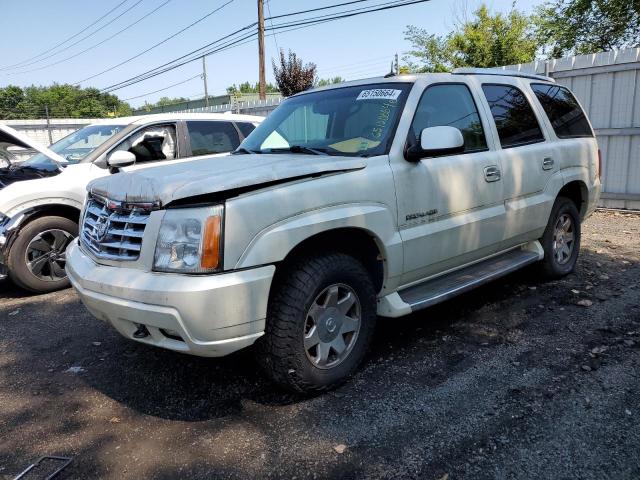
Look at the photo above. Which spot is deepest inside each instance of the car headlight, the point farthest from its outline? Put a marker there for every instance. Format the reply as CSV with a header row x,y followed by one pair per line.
x,y
190,240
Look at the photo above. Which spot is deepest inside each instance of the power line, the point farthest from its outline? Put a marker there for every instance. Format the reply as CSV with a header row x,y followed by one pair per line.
x,y
83,38
275,40
69,38
168,64
96,44
157,44
163,89
285,27
246,27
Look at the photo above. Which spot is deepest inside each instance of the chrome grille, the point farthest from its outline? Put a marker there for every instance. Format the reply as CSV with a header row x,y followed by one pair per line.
x,y
112,231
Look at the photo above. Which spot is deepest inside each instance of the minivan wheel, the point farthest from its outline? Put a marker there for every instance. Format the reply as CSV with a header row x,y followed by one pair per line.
x,y
561,239
37,258
320,322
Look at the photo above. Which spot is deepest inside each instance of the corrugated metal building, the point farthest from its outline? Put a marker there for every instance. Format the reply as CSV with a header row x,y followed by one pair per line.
x,y
608,86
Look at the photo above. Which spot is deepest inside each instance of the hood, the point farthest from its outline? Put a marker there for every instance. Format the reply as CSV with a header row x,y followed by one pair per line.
x,y
169,183
10,136
20,171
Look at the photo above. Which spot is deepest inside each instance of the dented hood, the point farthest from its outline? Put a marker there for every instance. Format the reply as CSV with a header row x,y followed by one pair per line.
x,y
168,183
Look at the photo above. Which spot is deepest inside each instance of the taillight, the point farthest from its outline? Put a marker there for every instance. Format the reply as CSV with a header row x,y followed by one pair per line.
x,y
599,163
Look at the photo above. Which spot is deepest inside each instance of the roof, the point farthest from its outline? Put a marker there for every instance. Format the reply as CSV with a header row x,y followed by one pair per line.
x,y
161,117
413,77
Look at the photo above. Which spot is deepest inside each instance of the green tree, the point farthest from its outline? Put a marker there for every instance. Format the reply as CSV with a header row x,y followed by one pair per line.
x,y
587,26
292,76
323,82
486,40
62,100
248,87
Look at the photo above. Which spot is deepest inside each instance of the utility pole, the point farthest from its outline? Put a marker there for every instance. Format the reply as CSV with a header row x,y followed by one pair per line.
x,y
397,65
262,80
204,79
46,111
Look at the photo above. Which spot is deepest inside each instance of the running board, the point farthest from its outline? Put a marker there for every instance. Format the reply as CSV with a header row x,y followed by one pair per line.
x,y
447,286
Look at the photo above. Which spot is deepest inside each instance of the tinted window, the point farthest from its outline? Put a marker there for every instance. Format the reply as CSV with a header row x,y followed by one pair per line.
x,y
246,128
567,118
514,117
212,137
453,106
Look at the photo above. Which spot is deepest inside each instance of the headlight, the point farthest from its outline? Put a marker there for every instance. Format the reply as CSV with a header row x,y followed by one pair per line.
x,y
190,240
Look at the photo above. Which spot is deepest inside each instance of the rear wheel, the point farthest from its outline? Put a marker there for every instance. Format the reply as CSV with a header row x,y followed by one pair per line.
x,y
37,258
561,239
320,322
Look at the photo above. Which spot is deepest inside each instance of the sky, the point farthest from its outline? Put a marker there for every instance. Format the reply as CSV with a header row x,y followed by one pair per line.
x,y
355,47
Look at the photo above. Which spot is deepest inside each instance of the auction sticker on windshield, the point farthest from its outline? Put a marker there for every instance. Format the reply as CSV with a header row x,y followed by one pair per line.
x,y
379,94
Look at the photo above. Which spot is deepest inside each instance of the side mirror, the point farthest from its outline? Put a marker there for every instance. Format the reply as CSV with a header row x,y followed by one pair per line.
x,y
436,141
121,158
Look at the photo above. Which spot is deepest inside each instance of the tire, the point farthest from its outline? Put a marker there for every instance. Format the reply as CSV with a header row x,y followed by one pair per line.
x,y
47,274
558,264
310,282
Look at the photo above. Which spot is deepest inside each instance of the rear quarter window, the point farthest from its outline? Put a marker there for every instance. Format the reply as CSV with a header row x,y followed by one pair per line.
x,y
564,112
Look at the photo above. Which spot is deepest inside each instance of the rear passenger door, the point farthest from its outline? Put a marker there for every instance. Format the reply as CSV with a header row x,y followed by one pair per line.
x,y
527,159
211,137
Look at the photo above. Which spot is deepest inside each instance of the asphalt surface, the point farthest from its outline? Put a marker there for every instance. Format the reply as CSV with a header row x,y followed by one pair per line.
x,y
514,380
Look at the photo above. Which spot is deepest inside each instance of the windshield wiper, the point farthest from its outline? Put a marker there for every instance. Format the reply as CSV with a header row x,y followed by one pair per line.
x,y
244,151
301,149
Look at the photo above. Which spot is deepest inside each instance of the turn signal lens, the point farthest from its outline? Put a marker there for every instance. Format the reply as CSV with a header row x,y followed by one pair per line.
x,y
211,243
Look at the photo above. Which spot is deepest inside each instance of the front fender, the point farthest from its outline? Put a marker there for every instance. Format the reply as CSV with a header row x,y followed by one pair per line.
x,y
273,243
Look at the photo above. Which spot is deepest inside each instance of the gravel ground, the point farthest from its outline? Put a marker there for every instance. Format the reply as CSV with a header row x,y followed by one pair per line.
x,y
514,380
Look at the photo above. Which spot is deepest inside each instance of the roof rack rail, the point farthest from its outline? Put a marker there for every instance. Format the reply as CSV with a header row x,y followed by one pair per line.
x,y
495,71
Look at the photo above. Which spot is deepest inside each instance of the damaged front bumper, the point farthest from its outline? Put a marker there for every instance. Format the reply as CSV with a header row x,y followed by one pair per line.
x,y
6,238
9,228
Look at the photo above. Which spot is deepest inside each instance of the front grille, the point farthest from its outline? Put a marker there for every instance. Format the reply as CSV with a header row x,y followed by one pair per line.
x,y
112,231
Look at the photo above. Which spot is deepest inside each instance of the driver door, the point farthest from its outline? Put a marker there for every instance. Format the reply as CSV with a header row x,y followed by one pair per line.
x,y
450,207
150,145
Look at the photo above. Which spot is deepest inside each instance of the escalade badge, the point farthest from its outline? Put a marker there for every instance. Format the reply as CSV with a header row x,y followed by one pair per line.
x,y
102,227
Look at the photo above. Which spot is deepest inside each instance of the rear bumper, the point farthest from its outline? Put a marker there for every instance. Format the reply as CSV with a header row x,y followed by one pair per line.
x,y
208,316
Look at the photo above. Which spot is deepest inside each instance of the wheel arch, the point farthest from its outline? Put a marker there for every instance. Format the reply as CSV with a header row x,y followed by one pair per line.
x,y
28,214
359,243
578,193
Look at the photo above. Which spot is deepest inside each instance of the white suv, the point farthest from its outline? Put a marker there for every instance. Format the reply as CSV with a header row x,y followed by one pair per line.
x,y
41,198
375,197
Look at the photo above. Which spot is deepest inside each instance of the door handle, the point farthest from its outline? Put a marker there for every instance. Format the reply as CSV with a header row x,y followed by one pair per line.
x,y
547,163
492,174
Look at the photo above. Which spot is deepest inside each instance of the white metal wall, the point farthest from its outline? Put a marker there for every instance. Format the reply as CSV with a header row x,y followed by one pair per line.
x,y
608,86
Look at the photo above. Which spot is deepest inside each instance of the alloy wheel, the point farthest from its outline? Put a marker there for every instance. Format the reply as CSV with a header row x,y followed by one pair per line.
x,y
332,326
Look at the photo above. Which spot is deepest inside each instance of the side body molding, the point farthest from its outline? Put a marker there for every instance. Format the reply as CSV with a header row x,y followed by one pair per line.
x,y
273,243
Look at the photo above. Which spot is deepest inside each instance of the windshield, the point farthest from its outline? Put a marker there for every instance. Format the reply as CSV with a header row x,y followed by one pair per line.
x,y
75,147
355,121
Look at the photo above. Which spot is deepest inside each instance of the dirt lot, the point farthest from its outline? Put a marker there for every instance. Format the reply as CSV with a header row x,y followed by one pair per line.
x,y
515,380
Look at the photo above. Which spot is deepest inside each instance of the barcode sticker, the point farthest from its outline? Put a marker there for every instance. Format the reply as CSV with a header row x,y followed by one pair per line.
x,y
379,94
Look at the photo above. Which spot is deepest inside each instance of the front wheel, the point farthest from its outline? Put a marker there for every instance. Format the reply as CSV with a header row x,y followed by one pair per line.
x,y
561,239
37,258
320,322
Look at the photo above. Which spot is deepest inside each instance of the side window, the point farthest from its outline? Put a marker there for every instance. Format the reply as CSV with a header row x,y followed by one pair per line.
x,y
246,128
564,112
515,120
151,144
212,137
450,105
